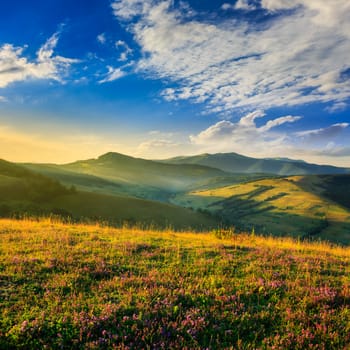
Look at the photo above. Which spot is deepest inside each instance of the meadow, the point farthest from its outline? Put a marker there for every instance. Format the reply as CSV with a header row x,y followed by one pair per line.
x,y
300,206
65,286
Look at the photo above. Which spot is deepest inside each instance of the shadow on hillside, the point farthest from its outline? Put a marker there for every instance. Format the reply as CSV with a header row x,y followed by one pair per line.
x,y
333,187
247,214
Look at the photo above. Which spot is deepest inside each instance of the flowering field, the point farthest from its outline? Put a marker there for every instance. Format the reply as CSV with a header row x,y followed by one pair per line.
x,y
90,287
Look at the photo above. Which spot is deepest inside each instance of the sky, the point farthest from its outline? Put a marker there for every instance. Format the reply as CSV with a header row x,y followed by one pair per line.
x,y
162,78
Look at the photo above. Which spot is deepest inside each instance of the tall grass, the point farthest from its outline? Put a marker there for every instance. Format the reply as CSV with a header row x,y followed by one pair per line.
x,y
65,286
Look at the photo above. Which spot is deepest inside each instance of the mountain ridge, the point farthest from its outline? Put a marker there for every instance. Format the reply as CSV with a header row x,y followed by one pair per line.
x,y
237,163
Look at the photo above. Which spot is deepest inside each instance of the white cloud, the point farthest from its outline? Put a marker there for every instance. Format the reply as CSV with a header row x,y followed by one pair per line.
x,y
160,148
279,121
336,151
223,129
152,144
239,5
244,5
126,50
245,136
227,6
337,107
101,38
126,9
113,74
120,43
235,64
15,67
274,5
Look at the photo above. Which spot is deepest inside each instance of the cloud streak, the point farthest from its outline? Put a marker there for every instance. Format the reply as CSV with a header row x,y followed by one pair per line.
x,y
322,134
112,75
239,64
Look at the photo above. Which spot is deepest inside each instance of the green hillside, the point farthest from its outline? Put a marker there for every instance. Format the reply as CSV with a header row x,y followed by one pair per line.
x,y
91,183
129,170
119,188
117,174
236,163
136,187
25,192
300,206
22,190
132,211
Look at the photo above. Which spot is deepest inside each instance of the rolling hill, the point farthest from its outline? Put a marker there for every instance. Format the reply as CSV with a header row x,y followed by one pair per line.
x,y
23,191
117,174
129,170
236,163
119,188
300,206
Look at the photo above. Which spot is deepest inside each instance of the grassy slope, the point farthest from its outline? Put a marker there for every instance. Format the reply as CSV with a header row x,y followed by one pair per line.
x,y
118,174
295,205
148,186
24,191
236,163
19,186
91,287
91,183
118,209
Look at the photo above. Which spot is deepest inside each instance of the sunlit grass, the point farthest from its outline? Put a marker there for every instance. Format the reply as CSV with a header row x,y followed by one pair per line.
x,y
281,206
92,286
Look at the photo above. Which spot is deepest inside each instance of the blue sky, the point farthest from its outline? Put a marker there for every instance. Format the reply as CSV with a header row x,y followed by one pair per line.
x,y
155,79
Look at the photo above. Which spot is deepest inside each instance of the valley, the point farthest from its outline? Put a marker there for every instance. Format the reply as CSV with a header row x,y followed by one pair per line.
x,y
199,192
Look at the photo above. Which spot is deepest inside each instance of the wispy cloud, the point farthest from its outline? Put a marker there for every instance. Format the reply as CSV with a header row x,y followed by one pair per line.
x,y
14,66
156,144
239,5
126,51
234,63
275,5
113,74
337,107
322,133
159,148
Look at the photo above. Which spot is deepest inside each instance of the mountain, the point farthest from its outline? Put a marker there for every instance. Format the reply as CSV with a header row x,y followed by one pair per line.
x,y
128,170
114,173
25,192
236,163
119,188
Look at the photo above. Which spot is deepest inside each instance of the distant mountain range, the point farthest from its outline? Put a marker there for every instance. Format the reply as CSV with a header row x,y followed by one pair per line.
x,y
118,174
202,191
236,163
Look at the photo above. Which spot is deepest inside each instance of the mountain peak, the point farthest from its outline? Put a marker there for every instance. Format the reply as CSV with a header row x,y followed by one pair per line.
x,y
112,156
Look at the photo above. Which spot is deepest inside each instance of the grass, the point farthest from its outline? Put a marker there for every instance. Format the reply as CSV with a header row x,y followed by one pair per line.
x,y
92,287
24,192
119,209
295,205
